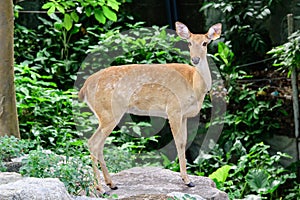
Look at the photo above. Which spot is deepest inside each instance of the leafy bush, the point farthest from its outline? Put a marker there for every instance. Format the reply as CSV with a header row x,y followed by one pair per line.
x,y
141,45
58,45
240,172
74,172
12,147
44,50
128,147
248,113
46,113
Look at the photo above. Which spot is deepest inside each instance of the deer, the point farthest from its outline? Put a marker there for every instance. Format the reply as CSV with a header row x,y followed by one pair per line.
x,y
173,91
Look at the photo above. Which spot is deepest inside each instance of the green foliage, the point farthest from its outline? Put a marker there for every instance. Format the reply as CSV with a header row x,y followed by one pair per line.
x,y
288,55
184,197
74,172
128,147
261,172
141,45
220,175
49,53
240,172
71,10
243,25
293,193
46,113
134,136
248,114
12,147
171,165
75,20
58,46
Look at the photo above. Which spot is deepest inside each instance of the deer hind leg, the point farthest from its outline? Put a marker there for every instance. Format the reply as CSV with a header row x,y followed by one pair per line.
x,y
179,131
96,144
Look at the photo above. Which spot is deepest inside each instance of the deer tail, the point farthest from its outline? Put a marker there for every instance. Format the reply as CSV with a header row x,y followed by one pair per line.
x,y
81,93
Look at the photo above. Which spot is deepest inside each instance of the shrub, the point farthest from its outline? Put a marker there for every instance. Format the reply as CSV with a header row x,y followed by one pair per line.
x,y
253,172
248,113
12,147
74,172
46,113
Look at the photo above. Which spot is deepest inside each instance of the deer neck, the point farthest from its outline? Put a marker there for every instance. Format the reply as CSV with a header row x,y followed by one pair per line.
x,y
204,71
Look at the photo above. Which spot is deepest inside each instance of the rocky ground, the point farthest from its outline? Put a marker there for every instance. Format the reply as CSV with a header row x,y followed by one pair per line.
x,y
139,183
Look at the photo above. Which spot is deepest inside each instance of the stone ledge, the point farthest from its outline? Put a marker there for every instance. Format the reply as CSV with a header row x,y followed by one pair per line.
x,y
136,183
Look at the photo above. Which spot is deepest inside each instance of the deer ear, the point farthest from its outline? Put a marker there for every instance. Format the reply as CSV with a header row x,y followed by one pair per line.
x,y
182,30
214,32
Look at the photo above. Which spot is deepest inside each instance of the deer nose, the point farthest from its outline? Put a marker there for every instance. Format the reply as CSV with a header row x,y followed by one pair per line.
x,y
195,60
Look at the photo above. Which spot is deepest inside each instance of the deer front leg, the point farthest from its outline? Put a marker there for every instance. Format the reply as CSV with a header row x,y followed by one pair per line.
x,y
179,130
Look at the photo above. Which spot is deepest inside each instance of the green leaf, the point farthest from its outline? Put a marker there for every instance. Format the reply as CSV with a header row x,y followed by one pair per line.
x,y
68,23
51,10
137,130
88,11
111,15
113,4
206,6
99,16
220,175
58,25
74,16
48,5
257,180
60,9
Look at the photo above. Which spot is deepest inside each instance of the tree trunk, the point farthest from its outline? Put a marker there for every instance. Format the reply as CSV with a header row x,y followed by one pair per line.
x,y
8,112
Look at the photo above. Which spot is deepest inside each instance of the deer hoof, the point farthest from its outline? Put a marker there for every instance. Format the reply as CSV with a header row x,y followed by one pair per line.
x,y
105,194
114,188
191,184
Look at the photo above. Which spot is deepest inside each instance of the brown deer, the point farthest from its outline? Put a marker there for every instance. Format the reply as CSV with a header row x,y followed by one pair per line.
x,y
173,91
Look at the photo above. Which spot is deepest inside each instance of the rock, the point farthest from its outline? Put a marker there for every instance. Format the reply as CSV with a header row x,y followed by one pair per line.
x,y
13,166
86,198
28,188
140,183
7,177
147,181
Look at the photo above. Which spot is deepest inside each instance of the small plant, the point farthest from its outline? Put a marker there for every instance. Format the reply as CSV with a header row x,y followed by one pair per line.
x,y
258,172
240,172
12,147
220,175
74,172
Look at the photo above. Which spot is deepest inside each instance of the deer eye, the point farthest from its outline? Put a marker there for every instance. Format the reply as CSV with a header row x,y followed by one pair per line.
x,y
190,44
204,44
